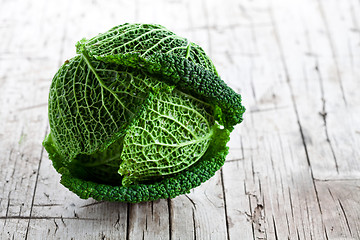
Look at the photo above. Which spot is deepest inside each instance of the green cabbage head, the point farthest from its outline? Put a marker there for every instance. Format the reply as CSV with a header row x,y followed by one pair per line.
x,y
137,115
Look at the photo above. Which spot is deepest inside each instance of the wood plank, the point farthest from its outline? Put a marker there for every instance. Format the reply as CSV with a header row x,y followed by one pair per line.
x,y
204,217
296,67
282,200
13,228
208,209
76,228
25,64
317,68
235,52
149,220
184,224
272,161
339,201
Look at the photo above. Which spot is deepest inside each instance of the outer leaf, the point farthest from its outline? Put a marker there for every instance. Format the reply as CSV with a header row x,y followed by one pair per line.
x,y
149,48
180,183
174,125
92,103
144,40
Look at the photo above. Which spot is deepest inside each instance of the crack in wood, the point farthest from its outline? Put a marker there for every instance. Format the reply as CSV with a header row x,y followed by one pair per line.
x,y
48,218
275,230
7,208
257,218
252,169
117,222
332,47
326,234
234,160
102,236
62,220
47,205
194,223
250,207
323,114
15,163
288,225
282,56
56,226
332,196
291,203
297,233
32,107
192,201
35,187
92,204
128,221
76,215
336,179
345,216
170,217
225,207
146,221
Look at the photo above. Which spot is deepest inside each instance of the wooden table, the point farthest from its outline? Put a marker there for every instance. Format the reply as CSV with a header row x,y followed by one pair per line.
x,y
293,171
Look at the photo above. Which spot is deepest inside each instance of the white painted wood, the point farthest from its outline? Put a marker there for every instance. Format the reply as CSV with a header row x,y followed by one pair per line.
x,y
26,63
76,228
149,220
339,201
293,170
183,218
13,228
318,81
209,211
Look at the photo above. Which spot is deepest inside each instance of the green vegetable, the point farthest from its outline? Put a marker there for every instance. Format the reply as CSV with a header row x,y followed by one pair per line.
x,y
139,114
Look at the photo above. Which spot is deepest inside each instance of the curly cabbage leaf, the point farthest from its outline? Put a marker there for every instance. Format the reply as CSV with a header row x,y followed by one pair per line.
x,y
174,132
137,114
144,40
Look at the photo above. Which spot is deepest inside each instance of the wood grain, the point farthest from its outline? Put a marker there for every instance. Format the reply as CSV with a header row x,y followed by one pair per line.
x,y
293,171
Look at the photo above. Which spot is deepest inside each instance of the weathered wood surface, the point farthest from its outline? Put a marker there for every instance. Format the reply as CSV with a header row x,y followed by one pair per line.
x,y
293,171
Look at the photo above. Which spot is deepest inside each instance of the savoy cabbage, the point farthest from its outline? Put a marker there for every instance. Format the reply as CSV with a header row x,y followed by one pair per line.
x,y
139,114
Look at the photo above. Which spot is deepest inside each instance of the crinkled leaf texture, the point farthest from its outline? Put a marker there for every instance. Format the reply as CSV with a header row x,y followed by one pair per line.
x,y
139,114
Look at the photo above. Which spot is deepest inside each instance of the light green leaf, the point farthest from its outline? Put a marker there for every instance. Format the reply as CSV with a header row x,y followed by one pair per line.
x,y
174,133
